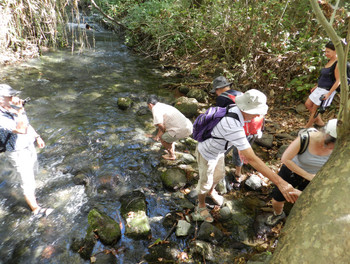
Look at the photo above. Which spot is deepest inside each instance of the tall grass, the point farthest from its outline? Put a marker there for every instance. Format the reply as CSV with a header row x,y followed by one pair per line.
x,y
29,26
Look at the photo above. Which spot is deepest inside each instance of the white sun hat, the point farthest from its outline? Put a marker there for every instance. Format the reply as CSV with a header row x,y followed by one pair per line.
x,y
331,128
7,91
252,102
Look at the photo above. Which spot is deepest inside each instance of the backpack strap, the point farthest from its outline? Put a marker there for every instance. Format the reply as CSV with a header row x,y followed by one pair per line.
x,y
229,114
304,142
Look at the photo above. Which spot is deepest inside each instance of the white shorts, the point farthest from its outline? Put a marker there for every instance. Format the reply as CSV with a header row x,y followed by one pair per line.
x,y
317,93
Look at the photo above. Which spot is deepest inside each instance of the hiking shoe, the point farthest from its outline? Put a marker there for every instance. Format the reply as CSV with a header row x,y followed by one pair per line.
x,y
275,219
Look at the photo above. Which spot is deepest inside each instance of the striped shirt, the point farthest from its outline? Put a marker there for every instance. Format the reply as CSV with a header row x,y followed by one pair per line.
x,y
227,130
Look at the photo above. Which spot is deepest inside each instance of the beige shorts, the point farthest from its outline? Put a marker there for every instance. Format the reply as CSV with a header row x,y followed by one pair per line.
x,y
210,172
168,138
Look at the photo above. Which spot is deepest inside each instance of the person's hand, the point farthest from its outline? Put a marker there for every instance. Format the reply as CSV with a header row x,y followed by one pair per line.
x,y
286,188
296,193
325,96
156,138
40,142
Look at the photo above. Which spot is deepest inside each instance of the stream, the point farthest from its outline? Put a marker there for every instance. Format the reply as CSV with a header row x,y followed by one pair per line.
x,y
74,108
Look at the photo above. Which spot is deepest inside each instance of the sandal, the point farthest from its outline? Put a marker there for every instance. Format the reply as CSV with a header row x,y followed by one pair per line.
x,y
274,219
202,214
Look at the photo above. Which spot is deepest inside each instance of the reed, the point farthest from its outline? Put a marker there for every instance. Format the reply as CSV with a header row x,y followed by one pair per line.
x,y
27,27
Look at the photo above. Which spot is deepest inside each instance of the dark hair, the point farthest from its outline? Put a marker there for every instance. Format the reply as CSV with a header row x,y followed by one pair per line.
x,y
329,139
152,99
330,45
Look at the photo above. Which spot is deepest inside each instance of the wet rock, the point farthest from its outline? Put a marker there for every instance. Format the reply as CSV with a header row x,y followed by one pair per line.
x,y
186,158
187,106
181,202
265,141
199,95
183,228
201,249
210,233
133,209
174,179
105,227
84,246
105,258
143,110
124,103
163,253
80,179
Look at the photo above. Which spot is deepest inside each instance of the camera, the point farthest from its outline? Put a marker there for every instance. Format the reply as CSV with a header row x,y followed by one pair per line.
x,y
321,109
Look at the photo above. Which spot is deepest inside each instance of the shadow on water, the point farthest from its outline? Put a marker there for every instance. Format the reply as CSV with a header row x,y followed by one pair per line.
x,y
74,108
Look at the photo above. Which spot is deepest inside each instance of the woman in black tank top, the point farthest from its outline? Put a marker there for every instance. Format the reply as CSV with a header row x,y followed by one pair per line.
x,y
324,89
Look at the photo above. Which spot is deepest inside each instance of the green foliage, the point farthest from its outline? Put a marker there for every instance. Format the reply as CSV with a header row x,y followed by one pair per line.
x,y
260,44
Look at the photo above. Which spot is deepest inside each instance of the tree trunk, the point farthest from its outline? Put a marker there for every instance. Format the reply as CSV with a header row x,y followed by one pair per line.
x,y
318,227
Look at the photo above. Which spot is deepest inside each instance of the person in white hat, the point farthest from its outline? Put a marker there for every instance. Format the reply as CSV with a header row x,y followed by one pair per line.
x,y
17,138
211,152
300,168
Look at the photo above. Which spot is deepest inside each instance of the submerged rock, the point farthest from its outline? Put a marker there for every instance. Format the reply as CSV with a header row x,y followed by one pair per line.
x,y
105,227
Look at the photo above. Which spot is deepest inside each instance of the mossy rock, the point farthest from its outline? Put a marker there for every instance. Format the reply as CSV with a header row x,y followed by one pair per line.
x,y
199,95
137,225
184,89
174,179
105,227
124,103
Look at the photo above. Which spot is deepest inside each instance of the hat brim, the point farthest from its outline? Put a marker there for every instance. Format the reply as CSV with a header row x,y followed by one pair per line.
x,y
219,87
260,110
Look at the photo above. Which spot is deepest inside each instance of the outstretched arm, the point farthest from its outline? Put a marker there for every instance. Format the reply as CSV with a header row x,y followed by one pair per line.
x,y
260,166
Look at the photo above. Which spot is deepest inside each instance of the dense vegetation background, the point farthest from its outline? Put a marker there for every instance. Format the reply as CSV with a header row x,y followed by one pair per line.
x,y
262,44
270,45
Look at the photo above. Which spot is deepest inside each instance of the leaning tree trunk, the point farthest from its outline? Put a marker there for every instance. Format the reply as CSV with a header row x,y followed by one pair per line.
x,y
318,227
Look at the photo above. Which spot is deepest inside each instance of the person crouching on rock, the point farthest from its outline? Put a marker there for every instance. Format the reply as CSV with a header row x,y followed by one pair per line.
x,y
172,125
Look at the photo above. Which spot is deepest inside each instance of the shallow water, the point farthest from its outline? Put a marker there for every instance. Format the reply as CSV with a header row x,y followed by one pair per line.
x,y
74,108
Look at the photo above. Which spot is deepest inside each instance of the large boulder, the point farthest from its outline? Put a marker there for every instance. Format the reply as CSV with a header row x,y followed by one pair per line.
x,y
187,106
106,228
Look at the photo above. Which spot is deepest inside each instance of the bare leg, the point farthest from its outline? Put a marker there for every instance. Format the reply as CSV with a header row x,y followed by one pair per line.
x,y
277,206
312,109
31,201
170,148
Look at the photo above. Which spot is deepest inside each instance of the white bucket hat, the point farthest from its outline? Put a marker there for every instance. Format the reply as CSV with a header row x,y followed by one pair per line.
x,y
7,91
331,128
252,102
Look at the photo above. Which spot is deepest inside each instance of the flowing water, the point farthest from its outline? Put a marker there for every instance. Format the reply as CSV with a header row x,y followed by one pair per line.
x,y
74,108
